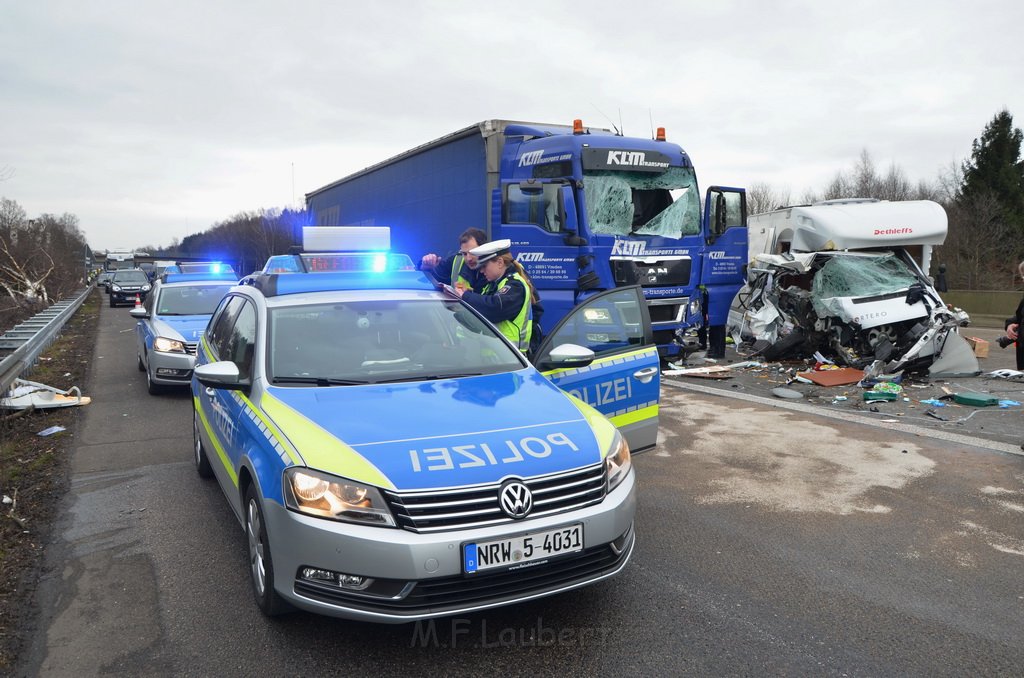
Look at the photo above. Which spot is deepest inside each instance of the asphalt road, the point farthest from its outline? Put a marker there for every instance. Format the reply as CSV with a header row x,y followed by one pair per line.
x,y
769,541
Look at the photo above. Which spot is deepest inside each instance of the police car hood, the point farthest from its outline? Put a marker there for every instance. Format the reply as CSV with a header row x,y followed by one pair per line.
x,y
187,328
442,433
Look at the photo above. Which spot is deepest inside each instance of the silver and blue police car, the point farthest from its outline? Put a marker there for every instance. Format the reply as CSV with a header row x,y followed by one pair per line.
x,y
170,322
392,457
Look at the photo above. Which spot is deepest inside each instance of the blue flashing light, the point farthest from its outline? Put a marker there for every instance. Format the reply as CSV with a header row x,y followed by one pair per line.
x,y
227,275
380,263
276,285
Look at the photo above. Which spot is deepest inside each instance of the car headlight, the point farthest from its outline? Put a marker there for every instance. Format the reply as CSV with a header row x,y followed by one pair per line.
x,y
116,288
326,496
145,288
166,345
618,462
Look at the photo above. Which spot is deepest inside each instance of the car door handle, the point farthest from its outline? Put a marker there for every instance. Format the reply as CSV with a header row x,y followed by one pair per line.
x,y
645,375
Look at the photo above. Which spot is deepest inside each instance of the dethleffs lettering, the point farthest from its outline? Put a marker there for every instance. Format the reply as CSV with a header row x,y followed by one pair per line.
x,y
481,454
605,392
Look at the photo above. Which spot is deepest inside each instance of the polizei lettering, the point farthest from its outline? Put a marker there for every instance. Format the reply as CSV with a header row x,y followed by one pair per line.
x,y
633,159
482,454
605,392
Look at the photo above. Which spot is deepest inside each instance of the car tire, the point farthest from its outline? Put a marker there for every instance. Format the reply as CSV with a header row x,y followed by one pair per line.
x,y
142,367
153,388
112,304
203,467
261,563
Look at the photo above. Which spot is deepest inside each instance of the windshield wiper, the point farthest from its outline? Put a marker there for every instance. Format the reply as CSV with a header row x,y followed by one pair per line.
x,y
429,377
320,381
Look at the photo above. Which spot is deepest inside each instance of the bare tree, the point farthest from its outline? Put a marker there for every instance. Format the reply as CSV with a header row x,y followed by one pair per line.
x,y
763,197
975,251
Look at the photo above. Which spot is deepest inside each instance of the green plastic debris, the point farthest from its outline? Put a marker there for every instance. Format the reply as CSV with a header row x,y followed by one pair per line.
x,y
975,399
879,395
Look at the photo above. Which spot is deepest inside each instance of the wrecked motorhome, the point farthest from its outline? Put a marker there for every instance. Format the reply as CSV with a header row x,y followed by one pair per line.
x,y
838,278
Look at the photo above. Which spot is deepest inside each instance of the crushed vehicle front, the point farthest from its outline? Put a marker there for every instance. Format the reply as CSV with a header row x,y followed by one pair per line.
x,y
857,307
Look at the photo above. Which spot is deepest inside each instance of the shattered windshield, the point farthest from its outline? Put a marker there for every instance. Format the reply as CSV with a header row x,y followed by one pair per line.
x,y
628,203
862,277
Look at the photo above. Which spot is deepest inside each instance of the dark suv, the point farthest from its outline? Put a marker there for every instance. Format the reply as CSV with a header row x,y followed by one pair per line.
x,y
126,285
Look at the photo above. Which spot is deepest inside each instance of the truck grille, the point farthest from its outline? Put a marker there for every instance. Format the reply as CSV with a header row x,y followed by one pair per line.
x,y
459,509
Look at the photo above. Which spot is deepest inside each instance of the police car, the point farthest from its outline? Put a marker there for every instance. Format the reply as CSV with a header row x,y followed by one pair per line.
x,y
171,320
392,457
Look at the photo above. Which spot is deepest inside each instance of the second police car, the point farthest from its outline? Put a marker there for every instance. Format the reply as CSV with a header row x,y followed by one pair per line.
x,y
391,457
170,322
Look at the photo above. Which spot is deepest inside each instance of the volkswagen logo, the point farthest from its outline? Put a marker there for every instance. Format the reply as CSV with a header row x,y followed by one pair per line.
x,y
516,499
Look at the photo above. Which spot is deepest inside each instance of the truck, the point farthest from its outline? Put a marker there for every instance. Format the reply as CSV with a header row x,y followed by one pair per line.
x,y
586,209
847,278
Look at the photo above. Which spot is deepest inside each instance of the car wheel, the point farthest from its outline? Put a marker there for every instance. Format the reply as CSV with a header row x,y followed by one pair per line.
x,y
112,304
202,461
154,389
142,368
261,564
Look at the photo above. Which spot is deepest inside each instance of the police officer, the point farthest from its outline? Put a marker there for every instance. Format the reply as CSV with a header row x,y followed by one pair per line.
x,y
461,266
508,297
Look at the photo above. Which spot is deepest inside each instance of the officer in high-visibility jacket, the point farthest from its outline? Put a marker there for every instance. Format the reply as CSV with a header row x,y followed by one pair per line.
x,y
461,266
508,297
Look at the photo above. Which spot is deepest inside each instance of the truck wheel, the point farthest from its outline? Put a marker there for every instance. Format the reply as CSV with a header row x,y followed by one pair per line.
x,y
202,461
261,564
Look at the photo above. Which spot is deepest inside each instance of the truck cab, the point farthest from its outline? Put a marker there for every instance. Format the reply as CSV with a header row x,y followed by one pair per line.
x,y
588,210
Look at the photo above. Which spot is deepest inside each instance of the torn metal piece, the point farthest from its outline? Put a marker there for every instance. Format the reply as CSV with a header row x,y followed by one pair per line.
x,y
24,394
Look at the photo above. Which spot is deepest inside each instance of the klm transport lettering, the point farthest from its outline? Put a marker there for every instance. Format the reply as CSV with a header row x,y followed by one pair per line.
x,y
638,248
472,455
633,159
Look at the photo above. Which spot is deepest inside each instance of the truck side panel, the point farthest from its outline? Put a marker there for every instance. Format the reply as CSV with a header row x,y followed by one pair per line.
x,y
427,198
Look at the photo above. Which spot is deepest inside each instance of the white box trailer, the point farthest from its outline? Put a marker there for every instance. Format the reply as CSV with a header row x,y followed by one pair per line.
x,y
839,277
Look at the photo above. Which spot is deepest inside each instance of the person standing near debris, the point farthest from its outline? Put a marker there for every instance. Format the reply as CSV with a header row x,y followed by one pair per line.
x,y
1013,324
461,266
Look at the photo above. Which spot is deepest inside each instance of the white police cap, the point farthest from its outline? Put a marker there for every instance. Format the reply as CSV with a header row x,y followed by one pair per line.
x,y
492,249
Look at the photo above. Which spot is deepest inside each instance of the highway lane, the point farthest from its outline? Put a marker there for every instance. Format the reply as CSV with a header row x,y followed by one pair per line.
x,y
768,541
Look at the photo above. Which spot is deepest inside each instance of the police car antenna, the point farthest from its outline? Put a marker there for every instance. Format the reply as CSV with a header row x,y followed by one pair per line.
x,y
610,121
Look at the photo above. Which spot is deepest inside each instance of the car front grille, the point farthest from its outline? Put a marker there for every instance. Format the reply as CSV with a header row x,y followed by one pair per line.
x,y
460,591
190,347
463,508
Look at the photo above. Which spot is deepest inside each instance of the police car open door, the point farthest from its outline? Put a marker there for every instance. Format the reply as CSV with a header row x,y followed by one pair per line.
x,y
623,382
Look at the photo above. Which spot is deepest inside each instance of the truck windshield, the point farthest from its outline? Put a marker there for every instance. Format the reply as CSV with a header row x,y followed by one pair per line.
x,y
641,203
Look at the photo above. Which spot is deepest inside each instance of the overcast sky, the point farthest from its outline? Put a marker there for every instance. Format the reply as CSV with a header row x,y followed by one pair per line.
x,y
150,121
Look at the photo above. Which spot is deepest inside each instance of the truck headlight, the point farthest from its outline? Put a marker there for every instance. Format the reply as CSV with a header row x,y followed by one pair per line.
x,y
326,496
695,307
617,463
165,345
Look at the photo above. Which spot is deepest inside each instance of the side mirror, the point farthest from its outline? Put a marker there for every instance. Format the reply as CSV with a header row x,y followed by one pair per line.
x,y
138,312
566,356
222,374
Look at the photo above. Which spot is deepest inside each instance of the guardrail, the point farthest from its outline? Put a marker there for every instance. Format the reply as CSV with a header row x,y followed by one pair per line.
x,y
32,337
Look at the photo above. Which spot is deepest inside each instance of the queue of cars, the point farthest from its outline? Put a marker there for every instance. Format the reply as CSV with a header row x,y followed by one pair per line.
x,y
390,455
